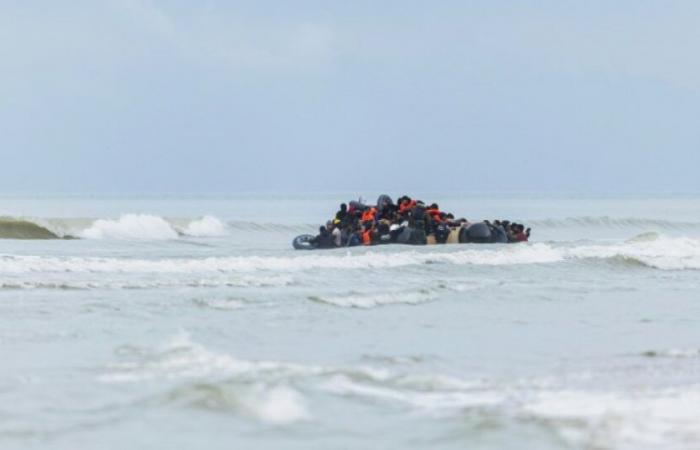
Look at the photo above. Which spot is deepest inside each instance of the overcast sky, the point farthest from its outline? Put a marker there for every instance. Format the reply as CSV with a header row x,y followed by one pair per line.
x,y
225,96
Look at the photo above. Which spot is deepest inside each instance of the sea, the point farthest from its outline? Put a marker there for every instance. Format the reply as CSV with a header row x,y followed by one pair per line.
x,y
190,322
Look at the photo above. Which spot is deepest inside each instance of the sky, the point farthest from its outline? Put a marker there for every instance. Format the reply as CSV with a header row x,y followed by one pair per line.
x,y
138,96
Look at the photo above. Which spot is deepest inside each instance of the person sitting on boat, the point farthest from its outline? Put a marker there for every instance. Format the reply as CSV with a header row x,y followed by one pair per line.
x,y
406,204
355,237
521,235
336,234
385,205
434,212
370,214
324,238
370,235
342,212
384,232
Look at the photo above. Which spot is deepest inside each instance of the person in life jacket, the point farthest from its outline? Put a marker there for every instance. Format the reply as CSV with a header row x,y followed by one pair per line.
x,y
355,237
369,215
368,236
434,212
521,234
406,204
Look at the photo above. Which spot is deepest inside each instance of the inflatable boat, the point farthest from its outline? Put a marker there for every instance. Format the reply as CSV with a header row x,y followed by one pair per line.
x,y
408,222
475,233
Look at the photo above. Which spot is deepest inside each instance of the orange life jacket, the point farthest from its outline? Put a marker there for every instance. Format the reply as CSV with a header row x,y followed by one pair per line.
x,y
369,214
367,237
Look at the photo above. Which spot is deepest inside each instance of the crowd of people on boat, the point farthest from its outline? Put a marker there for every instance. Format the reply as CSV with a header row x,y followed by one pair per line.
x,y
387,222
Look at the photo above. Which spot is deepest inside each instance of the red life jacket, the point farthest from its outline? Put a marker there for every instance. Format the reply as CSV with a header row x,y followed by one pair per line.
x,y
435,214
406,205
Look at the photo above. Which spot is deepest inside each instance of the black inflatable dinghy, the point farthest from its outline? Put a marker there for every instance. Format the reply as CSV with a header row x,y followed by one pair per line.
x,y
304,242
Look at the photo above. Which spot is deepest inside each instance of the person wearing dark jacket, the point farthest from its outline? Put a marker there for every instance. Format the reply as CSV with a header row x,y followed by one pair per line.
x,y
342,213
324,239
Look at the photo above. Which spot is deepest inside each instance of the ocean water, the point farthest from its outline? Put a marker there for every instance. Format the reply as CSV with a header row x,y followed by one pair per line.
x,y
190,322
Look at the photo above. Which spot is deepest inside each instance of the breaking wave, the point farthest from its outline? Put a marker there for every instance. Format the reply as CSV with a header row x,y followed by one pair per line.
x,y
245,281
273,392
648,250
244,388
207,226
505,255
134,227
360,300
11,228
660,253
154,227
131,226
150,227
613,222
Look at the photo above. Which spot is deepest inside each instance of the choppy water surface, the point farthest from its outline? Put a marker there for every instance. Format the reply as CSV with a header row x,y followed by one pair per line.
x,y
191,323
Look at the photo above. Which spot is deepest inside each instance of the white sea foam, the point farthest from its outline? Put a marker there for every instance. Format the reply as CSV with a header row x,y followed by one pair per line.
x,y
662,253
277,405
238,281
645,419
674,353
658,252
635,418
588,222
131,226
180,357
371,300
536,253
151,227
207,226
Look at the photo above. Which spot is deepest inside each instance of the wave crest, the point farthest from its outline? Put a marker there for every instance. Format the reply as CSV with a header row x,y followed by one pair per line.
x,y
135,226
661,253
11,228
651,251
522,254
131,226
207,226
613,222
366,300
274,392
